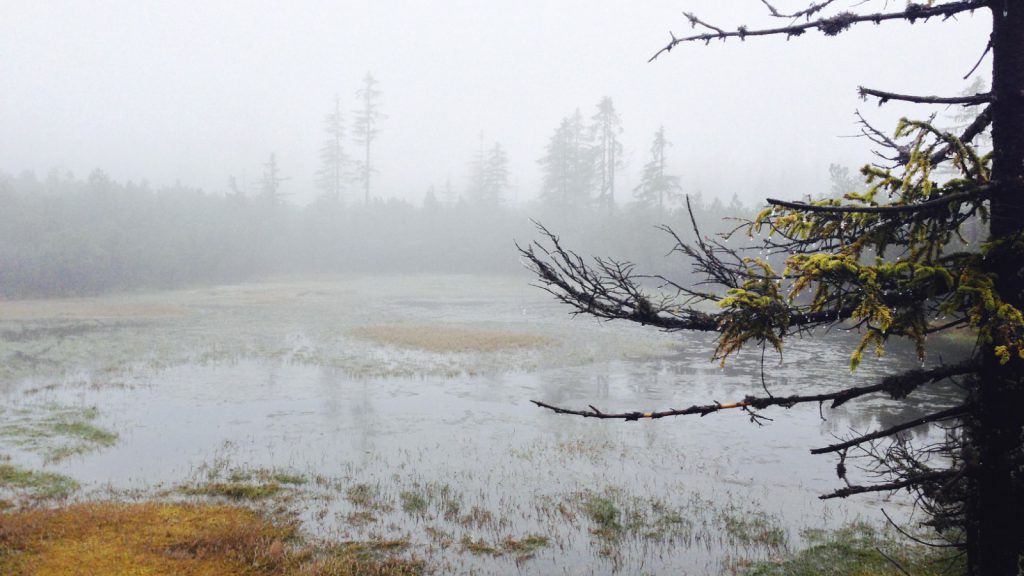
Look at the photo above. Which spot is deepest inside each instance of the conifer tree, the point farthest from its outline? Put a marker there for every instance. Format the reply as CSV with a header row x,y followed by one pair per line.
x,y
333,160
567,167
657,187
886,261
605,128
365,129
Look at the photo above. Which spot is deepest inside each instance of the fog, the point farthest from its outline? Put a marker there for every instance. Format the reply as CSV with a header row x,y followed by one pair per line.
x,y
205,297
165,93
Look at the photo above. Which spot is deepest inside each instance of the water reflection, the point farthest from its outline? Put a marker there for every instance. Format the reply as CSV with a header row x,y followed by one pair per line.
x,y
289,389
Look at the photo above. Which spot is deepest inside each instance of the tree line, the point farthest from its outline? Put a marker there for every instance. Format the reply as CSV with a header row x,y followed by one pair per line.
x,y
61,235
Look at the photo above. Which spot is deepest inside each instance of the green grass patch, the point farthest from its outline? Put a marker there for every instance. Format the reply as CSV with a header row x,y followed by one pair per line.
x,y
56,432
37,484
857,550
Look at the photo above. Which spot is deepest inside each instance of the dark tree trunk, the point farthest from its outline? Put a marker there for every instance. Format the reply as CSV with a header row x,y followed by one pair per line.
x,y
995,506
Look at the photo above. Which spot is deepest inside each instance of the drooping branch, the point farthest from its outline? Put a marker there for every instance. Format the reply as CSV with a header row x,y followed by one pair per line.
x,y
954,412
830,26
896,387
883,97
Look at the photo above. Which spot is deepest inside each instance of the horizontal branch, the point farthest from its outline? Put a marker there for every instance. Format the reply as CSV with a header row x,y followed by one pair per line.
x,y
884,97
954,412
978,194
891,486
829,26
897,387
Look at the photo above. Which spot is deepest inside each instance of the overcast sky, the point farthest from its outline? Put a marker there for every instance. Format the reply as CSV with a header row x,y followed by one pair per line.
x,y
200,91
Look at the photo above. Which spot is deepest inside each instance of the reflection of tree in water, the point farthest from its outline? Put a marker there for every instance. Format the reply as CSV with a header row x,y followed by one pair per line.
x,y
363,416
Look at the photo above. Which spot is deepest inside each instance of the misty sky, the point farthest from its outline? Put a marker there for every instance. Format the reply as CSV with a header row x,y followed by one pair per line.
x,y
201,91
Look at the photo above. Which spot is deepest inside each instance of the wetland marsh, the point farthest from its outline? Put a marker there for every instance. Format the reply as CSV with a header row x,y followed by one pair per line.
x,y
395,410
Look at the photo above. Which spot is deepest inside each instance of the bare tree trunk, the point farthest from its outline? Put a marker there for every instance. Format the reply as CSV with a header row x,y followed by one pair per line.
x,y
995,529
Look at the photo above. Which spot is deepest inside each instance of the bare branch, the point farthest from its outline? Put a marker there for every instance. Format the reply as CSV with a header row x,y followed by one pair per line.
x,y
896,386
829,26
883,97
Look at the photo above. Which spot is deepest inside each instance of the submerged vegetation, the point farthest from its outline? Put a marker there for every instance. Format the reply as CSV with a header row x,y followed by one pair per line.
x,y
34,484
55,431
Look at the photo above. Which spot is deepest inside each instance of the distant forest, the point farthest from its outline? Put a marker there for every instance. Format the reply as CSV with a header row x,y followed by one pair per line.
x,y
65,236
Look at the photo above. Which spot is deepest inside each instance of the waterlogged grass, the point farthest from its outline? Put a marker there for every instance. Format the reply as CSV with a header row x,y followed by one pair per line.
x,y
367,496
441,338
234,490
377,557
243,484
56,432
414,502
858,550
605,516
156,538
754,528
614,514
44,485
522,548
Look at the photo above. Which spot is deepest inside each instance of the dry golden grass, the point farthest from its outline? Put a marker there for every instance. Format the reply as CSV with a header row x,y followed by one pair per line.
x,y
103,308
449,338
159,538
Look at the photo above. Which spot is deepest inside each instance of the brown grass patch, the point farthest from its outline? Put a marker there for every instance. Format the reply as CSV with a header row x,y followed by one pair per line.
x,y
449,338
158,538
99,308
